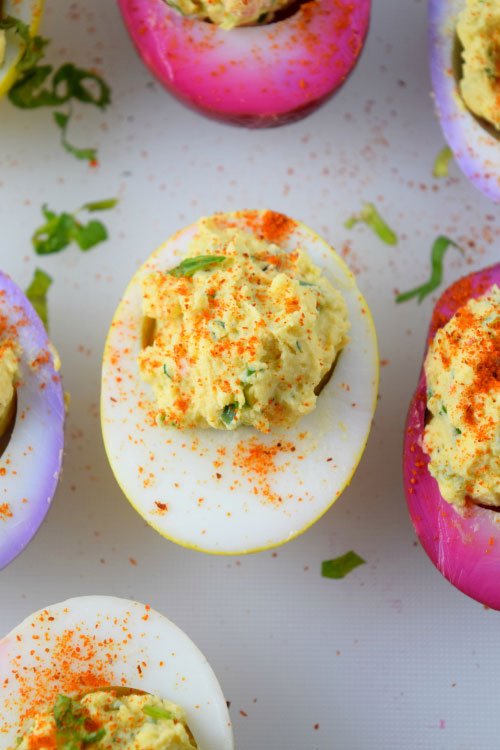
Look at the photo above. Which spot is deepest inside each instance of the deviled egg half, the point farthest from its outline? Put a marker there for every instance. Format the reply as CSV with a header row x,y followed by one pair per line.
x,y
258,63
12,45
464,42
451,451
103,673
31,421
235,408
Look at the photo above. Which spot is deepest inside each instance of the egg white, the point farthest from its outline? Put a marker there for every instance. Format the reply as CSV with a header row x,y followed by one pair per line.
x,y
128,644
31,462
477,151
178,468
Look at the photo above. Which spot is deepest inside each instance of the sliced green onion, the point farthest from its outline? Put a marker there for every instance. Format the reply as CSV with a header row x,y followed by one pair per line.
x,y
370,216
439,248
157,712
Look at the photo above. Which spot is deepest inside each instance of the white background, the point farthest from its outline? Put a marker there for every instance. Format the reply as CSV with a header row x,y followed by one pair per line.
x,y
391,656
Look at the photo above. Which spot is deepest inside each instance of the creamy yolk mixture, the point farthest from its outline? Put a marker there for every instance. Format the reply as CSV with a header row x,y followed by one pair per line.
x,y
102,720
478,29
244,333
230,13
462,369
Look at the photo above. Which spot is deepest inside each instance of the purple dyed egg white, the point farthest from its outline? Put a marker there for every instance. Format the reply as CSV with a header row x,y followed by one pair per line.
x,y
474,143
464,544
31,447
256,76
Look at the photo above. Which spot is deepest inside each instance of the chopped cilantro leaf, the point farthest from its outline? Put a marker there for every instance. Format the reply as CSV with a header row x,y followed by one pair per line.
x,y
439,248
37,294
370,216
60,230
339,567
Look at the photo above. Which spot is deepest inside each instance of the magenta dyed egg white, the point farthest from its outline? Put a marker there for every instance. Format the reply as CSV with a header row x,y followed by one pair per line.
x,y
464,544
31,462
475,147
256,76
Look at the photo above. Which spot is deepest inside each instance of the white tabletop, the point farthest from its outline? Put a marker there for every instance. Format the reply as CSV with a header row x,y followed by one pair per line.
x,y
391,656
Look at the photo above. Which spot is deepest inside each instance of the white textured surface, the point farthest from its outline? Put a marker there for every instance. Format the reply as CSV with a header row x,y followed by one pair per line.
x,y
392,656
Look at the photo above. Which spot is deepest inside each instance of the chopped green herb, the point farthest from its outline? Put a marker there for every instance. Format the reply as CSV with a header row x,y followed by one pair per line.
x,y
166,372
70,717
299,346
157,712
61,120
37,294
443,410
306,283
34,45
458,431
341,566
439,248
262,18
228,413
189,266
62,229
442,162
68,83
370,216
103,205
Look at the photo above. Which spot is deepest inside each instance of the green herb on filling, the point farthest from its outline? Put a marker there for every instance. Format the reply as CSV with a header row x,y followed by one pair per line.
x,y
157,712
370,216
442,162
62,229
229,412
299,346
189,266
37,294
165,371
70,717
341,566
443,410
439,248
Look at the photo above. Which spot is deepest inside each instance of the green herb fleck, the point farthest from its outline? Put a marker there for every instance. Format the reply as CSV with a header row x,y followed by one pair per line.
x,y
61,120
442,162
439,248
70,716
443,410
306,283
60,230
370,216
157,712
299,346
165,371
189,266
341,566
37,294
458,431
228,413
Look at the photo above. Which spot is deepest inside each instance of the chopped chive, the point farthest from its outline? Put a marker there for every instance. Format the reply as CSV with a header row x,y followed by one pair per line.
x,y
306,283
299,346
165,371
339,567
442,162
189,266
157,712
370,216
439,248
443,410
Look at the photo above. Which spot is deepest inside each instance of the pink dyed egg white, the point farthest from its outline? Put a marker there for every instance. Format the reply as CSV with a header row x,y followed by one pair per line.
x,y
31,461
256,76
464,545
94,642
475,147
